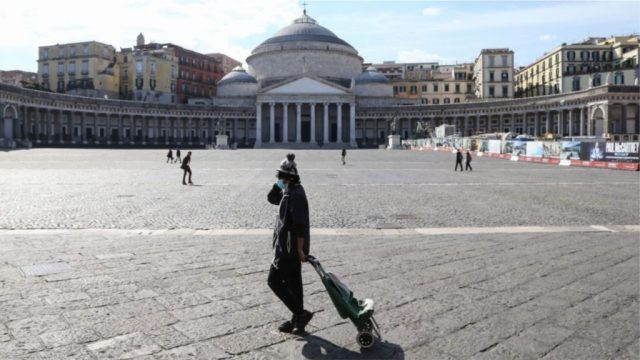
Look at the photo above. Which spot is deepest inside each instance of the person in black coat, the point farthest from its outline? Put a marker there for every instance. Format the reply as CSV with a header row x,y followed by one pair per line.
x,y
468,163
170,156
290,245
459,161
178,158
187,169
344,156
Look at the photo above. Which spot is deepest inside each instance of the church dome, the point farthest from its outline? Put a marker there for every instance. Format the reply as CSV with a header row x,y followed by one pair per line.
x,y
237,75
305,28
371,76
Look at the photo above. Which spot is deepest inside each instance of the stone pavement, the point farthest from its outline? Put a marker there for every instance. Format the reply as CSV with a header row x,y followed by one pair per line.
x,y
557,293
103,254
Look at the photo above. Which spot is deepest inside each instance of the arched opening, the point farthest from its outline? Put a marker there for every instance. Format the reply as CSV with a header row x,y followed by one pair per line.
x,y
597,117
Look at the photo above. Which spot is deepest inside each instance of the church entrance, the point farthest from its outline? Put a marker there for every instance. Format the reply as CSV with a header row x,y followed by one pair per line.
x,y
305,131
334,133
278,134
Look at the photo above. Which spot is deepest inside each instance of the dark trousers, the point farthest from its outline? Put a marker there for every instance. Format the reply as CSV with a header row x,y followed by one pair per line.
x,y
468,167
459,163
186,169
286,282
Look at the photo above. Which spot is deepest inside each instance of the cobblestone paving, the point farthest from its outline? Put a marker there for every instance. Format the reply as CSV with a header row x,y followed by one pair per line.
x,y
510,261
131,189
177,294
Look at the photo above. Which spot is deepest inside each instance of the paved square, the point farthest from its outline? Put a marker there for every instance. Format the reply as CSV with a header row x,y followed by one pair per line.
x,y
512,260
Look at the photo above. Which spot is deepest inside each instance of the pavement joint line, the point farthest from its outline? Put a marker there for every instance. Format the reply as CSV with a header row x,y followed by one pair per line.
x,y
334,231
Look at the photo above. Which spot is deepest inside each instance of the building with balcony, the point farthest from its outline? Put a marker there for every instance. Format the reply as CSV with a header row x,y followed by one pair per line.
x,y
430,83
493,74
84,68
574,67
226,63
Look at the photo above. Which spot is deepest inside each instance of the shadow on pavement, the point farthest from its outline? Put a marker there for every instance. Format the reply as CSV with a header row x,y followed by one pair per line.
x,y
319,348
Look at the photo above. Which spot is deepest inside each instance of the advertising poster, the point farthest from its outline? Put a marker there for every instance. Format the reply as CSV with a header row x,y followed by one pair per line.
x,y
551,149
570,150
535,149
516,147
621,151
484,146
592,151
495,146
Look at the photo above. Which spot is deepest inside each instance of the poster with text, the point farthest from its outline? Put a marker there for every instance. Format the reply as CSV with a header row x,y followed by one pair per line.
x,y
621,151
592,151
551,149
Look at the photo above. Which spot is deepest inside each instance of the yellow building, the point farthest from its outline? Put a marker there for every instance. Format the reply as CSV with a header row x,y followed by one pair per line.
x,y
430,83
593,62
84,68
148,73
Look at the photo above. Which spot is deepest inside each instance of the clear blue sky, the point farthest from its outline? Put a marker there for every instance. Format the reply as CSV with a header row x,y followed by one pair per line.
x,y
444,31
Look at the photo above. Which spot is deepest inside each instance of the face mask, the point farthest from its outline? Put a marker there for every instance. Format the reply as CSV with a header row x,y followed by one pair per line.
x,y
281,184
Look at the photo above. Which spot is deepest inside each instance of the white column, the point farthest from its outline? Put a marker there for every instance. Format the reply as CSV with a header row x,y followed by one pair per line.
x,y
313,124
258,124
581,121
339,140
325,128
285,122
272,122
352,125
298,123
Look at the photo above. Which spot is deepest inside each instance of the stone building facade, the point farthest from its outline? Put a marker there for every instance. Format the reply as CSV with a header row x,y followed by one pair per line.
x,y
304,88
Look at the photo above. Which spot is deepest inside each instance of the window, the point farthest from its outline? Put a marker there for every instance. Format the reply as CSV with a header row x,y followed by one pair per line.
x,y
153,68
446,87
571,69
505,76
413,89
173,71
45,69
576,84
557,58
85,67
424,88
60,51
505,91
491,76
492,91
72,50
595,56
457,88
456,100
45,53
557,72
571,55
395,90
492,61
72,68
619,78
126,59
584,55
126,73
435,87
85,49
596,81
505,61
60,86
468,88
584,68
173,86
60,69
425,101
139,67
446,100
436,101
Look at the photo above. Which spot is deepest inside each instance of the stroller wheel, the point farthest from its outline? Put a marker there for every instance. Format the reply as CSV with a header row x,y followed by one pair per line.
x,y
365,339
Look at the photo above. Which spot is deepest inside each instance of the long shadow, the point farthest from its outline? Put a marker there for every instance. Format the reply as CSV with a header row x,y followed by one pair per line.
x,y
319,348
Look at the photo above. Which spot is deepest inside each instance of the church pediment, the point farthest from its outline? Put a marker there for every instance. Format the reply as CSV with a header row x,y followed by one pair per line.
x,y
306,85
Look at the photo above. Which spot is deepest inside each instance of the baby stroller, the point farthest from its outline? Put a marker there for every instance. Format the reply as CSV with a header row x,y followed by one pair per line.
x,y
360,312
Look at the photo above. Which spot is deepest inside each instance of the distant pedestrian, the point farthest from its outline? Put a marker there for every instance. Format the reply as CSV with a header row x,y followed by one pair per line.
x,y
170,156
459,161
187,169
178,158
344,156
468,164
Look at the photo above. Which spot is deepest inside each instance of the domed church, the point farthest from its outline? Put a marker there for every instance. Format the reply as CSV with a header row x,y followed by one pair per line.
x,y
303,82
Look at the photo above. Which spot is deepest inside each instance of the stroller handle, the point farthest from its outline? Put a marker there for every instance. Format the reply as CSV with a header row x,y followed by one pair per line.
x,y
316,265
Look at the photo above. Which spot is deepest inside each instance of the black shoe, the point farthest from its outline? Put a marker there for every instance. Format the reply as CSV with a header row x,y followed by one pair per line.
x,y
184,183
287,326
190,182
301,322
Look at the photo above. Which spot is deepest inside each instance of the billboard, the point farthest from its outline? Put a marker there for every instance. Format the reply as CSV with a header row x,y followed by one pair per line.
x,y
570,150
551,150
495,146
621,151
516,147
535,149
592,151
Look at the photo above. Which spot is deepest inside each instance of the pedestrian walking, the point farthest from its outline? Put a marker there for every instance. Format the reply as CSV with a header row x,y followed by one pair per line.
x,y
344,156
290,245
459,161
187,169
170,156
178,158
468,163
